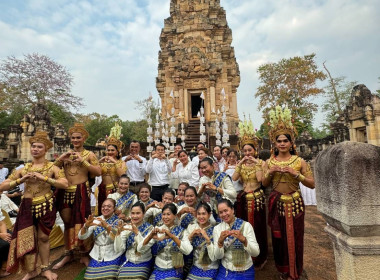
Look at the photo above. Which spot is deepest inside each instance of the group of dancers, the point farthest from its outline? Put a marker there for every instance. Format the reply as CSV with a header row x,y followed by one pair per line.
x,y
190,222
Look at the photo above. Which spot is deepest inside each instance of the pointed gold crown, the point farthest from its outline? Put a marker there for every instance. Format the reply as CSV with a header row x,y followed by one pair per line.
x,y
41,137
280,122
247,134
114,138
79,128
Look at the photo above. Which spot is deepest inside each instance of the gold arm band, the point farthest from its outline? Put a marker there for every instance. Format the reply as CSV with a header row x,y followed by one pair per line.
x,y
267,175
18,181
86,163
13,184
301,178
238,169
51,181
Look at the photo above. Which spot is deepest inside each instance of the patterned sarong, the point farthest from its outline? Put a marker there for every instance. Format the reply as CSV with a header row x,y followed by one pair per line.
x,y
199,274
104,269
139,271
224,273
167,274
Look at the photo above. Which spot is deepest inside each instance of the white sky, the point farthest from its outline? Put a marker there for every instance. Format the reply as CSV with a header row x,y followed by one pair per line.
x,y
111,47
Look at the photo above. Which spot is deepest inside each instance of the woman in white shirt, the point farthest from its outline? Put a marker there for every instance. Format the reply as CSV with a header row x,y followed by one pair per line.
x,y
168,246
105,262
200,234
185,170
138,265
234,243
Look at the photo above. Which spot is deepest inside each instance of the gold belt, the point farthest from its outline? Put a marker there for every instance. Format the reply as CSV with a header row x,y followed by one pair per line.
x,y
255,195
73,188
289,198
42,198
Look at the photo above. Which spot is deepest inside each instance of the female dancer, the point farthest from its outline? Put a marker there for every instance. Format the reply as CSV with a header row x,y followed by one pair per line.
x,y
154,213
251,200
167,244
234,244
186,212
144,195
185,170
200,234
105,262
123,197
285,170
202,153
179,199
229,168
137,265
112,168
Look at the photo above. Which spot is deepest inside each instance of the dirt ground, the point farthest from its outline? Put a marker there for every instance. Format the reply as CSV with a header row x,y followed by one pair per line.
x,y
318,255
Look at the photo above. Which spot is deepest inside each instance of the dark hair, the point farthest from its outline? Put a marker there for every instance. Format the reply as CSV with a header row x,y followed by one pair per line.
x,y
182,151
178,144
159,145
203,149
186,184
264,155
227,202
208,160
146,186
201,143
191,188
139,204
171,207
112,200
205,206
117,150
225,148
291,151
249,144
168,190
124,176
233,151
220,147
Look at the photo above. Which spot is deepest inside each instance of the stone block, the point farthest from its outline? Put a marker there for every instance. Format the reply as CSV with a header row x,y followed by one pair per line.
x,y
347,177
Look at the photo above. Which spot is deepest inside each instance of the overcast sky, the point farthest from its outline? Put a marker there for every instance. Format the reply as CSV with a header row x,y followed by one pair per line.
x,y
111,46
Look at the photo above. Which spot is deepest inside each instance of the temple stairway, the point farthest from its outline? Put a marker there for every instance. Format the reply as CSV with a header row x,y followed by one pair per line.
x,y
192,134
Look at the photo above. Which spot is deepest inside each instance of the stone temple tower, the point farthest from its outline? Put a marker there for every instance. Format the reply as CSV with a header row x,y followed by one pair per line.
x,y
196,56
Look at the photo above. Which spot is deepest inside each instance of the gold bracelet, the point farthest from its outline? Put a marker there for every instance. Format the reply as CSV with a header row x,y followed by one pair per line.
x,y
301,178
18,181
238,169
12,184
51,181
46,178
86,163
267,175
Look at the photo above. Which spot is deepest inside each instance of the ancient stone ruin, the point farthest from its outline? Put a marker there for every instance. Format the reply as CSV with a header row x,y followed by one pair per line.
x,y
196,56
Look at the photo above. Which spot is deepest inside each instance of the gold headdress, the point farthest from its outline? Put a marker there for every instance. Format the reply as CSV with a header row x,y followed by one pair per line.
x,y
281,123
247,134
79,128
41,137
114,138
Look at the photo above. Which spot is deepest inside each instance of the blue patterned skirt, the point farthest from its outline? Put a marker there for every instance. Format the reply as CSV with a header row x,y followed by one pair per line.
x,y
235,275
166,274
130,270
199,274
104,270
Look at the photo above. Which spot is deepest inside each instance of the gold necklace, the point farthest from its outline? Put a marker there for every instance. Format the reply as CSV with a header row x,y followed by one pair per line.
x,y
72,167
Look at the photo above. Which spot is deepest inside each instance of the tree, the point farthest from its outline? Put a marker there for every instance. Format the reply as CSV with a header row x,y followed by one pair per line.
x,y
290,82
36,79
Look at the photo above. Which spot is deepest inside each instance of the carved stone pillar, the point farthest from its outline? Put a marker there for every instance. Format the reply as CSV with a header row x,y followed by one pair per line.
x,y
347,185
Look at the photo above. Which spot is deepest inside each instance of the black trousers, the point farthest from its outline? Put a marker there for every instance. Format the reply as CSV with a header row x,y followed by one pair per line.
x,y
158,191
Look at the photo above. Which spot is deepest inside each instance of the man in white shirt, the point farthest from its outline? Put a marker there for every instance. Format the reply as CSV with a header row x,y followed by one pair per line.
x,y
158,168
196,158
3,172
135,167
219,159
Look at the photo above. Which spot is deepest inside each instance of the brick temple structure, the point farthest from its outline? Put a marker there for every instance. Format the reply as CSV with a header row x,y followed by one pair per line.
x,y
196,56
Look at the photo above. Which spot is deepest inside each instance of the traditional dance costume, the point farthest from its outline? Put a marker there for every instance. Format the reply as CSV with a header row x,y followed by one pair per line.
x,y
236,258
205,266
251,207
169,258
105,261
124,202
138,265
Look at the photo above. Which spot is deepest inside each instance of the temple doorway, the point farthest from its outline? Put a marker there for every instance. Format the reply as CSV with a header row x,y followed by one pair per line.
x,y
196,102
